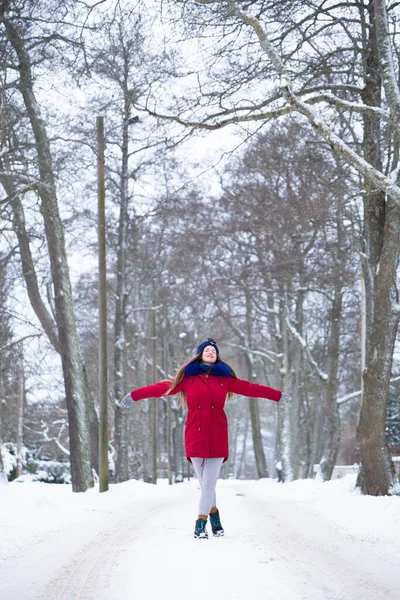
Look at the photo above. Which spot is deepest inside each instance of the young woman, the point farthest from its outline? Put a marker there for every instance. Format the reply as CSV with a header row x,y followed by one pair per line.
x,y
203,384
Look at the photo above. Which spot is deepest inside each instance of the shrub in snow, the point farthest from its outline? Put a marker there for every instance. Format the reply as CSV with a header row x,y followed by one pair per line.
x,y
48,471
53,471
9,454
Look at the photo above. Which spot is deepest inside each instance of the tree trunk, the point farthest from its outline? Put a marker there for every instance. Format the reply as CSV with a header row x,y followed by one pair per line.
x,y
21,398
259,454
296,388
169,440
261,462
377,475
121,416
168,408
241,466
154,404
81,471
332,419
177,441
382,245
3,475
284,419
121,444
93,424
316,414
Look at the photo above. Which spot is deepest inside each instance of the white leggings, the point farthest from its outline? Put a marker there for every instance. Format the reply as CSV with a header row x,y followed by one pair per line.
x,y
207,471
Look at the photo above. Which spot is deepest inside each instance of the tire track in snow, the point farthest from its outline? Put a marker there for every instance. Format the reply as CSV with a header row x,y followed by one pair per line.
x,y
84,577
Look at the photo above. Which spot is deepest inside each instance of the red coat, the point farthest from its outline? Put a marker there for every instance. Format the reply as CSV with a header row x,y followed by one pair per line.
x,y
206,427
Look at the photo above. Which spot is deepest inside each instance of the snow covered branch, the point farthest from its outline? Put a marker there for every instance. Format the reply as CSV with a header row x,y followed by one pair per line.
x,y
352,106
359,392
15,176
304,345
8,346
56,440
269,355
348,397
272,114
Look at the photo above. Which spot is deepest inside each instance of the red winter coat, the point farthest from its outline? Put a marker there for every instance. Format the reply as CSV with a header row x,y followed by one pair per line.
x,y
206,427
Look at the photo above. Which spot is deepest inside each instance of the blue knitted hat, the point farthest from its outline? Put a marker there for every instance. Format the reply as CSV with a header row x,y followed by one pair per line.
x,y
209,342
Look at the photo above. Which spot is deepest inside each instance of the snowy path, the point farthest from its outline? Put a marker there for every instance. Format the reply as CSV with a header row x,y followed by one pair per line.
x,y
272,550
292,542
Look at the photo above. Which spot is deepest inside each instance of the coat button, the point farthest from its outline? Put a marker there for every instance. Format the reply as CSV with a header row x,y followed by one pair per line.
x,y
199,428
212,407
199,407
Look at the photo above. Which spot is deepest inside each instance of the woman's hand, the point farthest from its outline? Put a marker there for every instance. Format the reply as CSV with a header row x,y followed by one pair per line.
x,y
127,401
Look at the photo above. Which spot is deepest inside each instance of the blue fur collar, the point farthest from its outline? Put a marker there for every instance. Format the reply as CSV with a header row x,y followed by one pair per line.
x,y
220,369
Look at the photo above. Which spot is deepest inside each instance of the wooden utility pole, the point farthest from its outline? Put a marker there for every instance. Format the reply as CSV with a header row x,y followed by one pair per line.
x,y
103,421
155,400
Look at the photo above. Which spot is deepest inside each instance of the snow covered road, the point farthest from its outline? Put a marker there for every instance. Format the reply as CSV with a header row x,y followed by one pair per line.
x,y
299,541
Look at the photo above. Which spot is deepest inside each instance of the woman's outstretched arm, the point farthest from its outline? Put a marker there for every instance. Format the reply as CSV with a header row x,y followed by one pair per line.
x,y
253,390
155,390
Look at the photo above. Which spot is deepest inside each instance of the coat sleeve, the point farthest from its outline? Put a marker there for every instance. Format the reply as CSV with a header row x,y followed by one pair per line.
x,y
253,390
156,390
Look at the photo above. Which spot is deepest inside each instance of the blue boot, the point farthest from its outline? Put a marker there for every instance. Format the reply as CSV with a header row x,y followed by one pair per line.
x,y
216,526
200,530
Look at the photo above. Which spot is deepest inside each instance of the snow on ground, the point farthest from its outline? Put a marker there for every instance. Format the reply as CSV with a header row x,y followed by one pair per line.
x,y
299,541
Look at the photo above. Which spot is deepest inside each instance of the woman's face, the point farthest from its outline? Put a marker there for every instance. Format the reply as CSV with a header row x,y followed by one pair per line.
x,y
209,355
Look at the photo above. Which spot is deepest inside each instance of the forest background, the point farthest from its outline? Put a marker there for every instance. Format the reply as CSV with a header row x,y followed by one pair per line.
x,y
252,160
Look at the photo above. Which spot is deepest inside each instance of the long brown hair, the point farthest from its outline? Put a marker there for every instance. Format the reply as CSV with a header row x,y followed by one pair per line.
x,y
181,373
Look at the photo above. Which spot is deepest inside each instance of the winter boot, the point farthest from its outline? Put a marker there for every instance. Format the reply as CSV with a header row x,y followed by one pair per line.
x,y
200,530
216,526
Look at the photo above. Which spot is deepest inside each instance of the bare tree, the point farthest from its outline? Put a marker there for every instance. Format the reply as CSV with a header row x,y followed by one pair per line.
x,y
67,334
